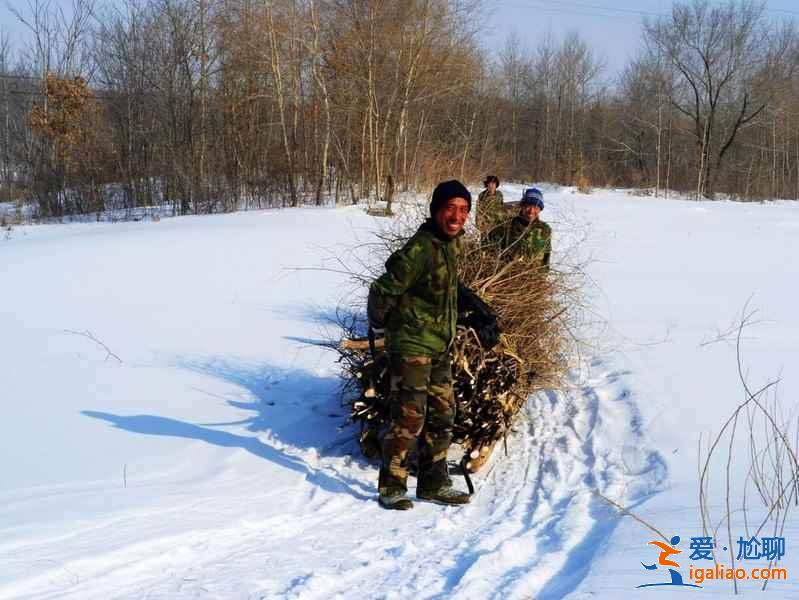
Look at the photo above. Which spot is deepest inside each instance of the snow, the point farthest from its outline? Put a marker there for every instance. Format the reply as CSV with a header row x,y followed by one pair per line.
x,y
209,460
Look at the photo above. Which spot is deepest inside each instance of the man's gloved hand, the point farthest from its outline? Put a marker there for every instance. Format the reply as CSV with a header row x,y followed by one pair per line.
x,y
488,335
480,316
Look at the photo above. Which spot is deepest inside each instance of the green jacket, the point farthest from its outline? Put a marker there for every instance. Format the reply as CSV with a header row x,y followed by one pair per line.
x,y
523,239
490,210
416,299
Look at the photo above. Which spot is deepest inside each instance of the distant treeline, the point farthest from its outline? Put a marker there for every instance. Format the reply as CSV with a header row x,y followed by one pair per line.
x,y
215,105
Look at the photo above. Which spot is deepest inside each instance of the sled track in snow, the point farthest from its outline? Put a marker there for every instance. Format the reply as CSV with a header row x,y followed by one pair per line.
x,y
543,521
530,532
536,522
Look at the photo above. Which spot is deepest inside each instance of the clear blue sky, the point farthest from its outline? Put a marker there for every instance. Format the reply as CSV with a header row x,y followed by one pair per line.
x,y
612,28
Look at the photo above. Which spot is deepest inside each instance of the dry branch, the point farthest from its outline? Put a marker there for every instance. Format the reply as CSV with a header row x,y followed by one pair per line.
x,y
537,313
774,461
88,334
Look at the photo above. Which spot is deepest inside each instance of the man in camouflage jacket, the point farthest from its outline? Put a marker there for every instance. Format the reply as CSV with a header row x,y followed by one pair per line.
x,y
526,236
490,205
415,305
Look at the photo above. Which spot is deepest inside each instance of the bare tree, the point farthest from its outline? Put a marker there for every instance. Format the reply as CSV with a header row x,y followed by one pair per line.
x,y
724,58
209,105
5,52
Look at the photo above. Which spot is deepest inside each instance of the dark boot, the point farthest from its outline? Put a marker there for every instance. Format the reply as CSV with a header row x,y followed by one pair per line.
x,y
436,486
395,501
433,475
444,495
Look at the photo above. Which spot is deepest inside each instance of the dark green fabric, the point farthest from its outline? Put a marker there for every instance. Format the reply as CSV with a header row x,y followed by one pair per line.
x,y
490,210
423,410
415,300
520,238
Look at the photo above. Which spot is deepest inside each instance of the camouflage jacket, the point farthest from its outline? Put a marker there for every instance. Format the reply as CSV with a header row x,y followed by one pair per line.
x,y
416,299
490,210
523,239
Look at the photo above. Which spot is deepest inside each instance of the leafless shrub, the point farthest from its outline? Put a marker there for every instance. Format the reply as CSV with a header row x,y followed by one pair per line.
x,y
759,430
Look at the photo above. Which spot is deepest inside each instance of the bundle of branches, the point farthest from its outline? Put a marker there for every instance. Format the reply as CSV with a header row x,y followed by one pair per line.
x,y
486,384
484,387
535,311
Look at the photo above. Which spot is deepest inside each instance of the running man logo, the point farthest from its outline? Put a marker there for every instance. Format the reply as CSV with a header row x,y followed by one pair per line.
x,y
667,550
704,549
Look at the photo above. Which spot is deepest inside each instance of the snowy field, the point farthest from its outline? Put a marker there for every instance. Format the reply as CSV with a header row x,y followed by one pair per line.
x,y
192,449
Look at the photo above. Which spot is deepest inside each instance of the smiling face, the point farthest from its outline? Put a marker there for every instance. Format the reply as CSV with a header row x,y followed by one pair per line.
x,y
452,215
530,211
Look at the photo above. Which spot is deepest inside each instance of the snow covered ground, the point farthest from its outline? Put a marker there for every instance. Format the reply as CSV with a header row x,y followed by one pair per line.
x,y
192,448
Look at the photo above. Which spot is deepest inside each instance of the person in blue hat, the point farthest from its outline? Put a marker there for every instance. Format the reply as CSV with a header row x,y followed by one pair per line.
x,y
526,236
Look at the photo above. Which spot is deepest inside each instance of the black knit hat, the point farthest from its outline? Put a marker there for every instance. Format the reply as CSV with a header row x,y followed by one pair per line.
x,y
446,190
491,178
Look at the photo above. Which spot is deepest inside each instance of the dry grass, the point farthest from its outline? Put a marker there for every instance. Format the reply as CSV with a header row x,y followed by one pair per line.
x,y
583,184
537,312
758,431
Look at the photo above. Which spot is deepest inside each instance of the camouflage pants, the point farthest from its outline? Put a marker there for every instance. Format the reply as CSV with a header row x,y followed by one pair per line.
x,y
423,411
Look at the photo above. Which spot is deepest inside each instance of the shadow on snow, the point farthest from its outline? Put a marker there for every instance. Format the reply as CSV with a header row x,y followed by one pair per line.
x,y
293,410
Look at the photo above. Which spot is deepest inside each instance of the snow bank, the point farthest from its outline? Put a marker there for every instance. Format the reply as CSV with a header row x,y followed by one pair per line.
x,y
209,460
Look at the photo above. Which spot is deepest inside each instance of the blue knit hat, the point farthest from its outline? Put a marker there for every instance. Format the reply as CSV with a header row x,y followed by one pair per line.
x,y
534,197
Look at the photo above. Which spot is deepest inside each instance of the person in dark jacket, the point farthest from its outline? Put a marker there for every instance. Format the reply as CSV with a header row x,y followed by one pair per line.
x,y
415,306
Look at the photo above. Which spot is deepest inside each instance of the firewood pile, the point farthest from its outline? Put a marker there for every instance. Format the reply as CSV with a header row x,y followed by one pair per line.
x,y
490,386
